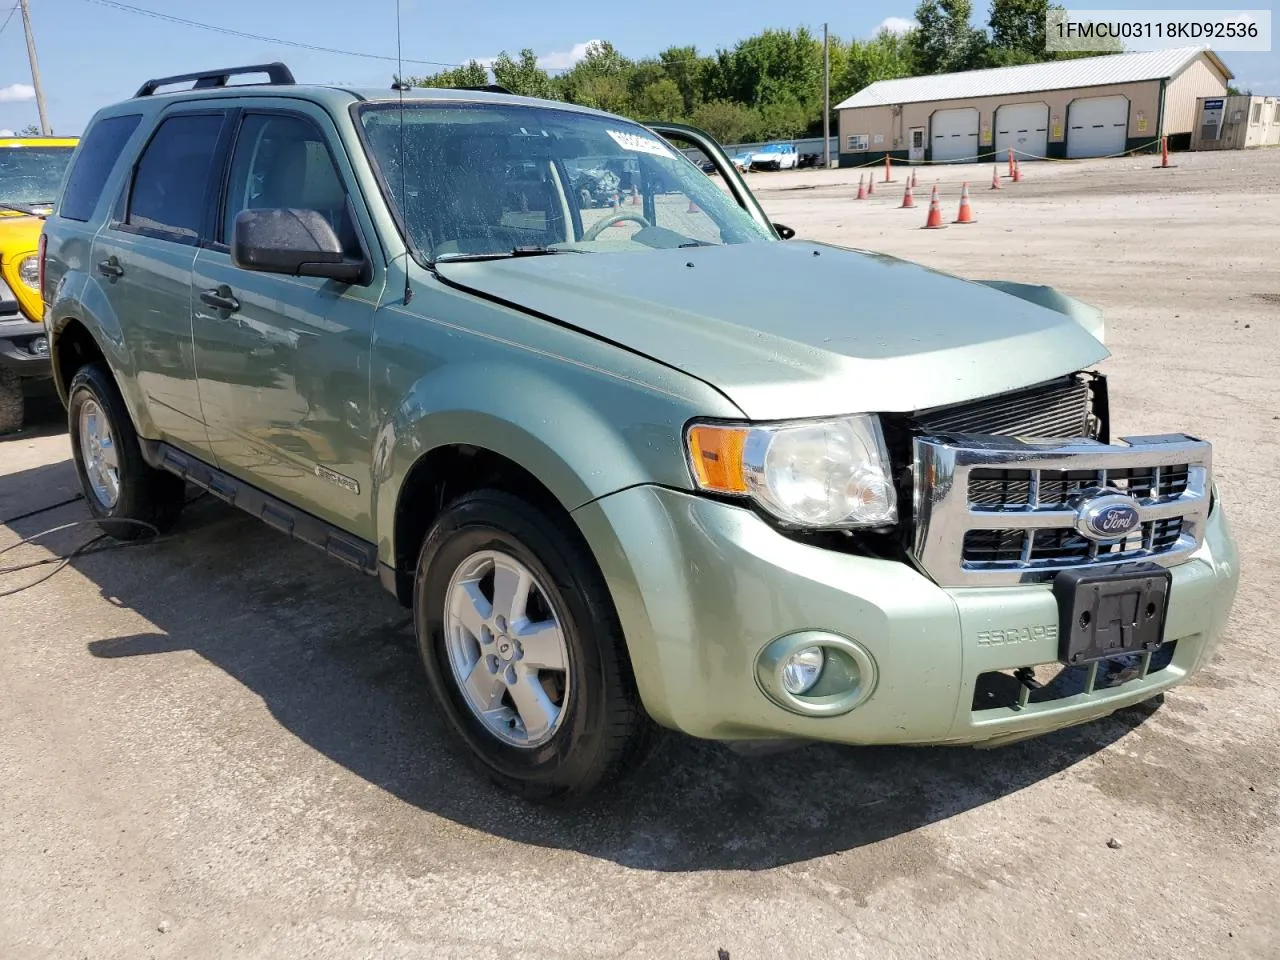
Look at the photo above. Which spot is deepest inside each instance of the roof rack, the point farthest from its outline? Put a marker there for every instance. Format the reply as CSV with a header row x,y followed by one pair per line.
x,y
490,88
278,74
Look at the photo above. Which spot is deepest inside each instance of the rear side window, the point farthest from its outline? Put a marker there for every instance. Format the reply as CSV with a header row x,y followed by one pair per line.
x,y
99,152
171,184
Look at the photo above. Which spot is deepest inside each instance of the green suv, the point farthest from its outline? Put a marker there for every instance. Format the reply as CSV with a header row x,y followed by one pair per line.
x,y
638,466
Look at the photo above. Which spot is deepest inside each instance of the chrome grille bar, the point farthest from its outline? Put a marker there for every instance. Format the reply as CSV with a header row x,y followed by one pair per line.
x,y
1171,521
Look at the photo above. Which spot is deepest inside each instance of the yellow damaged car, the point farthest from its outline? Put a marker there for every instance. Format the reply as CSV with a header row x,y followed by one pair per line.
x,y
31,172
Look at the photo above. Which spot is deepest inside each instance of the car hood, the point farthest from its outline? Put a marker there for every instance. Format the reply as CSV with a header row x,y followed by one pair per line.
x,y
800,329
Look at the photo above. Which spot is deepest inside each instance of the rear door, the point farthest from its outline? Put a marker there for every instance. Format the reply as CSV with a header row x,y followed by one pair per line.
x,y
144,256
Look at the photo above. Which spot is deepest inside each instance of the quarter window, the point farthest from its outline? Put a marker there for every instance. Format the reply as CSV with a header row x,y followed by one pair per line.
x,y
171,185
99,152
281,162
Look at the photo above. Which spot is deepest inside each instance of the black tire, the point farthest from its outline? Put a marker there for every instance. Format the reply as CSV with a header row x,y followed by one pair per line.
x,y
12,402
605,730
153,497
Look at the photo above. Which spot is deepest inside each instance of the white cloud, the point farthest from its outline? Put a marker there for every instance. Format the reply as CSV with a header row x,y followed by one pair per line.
x,y
557,60
6,133
15,92
895,25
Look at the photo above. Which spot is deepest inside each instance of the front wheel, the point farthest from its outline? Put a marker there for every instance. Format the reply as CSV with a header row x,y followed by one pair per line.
x,y
523,650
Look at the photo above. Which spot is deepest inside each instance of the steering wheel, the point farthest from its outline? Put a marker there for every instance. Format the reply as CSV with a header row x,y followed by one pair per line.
x,y
610,220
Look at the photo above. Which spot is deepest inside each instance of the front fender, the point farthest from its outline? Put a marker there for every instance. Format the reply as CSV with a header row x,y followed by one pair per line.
x,y
582,436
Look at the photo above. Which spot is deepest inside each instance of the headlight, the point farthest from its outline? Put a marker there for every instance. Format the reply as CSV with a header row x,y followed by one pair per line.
x,y
819,473
29,272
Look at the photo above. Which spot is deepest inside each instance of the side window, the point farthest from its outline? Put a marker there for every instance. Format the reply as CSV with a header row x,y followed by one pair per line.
x,y
172,181
283,161
99,152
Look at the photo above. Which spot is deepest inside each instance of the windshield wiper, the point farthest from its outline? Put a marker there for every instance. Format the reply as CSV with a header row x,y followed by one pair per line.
x,y
30,211
534,251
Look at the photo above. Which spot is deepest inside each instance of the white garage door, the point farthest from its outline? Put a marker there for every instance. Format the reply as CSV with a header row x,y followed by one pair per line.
x,y
1025,128
953,134
1097,126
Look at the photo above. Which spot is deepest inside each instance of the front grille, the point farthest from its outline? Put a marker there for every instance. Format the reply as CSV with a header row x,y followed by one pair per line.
x,y
1020,489
991,510
1066,545
1057,409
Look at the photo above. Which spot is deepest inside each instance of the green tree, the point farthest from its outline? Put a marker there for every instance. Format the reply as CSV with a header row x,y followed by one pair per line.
x,y
660,100
945,41
725,120
685,68
470,74
1018,34
523,76
599,79
887,56
30,130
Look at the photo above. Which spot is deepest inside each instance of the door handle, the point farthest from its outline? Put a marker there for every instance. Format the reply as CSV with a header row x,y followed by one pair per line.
x,y
220,297
110,267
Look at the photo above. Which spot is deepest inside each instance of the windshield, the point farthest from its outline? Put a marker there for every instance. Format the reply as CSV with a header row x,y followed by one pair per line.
x,y
32,175
493,180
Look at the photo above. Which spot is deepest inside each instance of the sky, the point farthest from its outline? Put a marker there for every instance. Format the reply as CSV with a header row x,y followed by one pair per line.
x,y
93,52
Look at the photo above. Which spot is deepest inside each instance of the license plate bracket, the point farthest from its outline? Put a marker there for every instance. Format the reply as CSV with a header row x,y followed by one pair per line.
x,y
1111,611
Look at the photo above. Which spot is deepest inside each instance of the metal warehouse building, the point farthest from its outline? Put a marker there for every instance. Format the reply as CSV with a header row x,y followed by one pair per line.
x,y
1089,107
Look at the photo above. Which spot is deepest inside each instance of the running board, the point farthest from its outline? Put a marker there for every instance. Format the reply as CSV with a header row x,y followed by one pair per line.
x,y
274,512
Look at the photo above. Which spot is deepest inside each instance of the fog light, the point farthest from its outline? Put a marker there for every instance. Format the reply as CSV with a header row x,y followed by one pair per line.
x,y
802,669
40,346
815,673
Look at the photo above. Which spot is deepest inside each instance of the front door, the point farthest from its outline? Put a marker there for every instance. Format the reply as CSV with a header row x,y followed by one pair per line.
x,y
144,257
915,149
284,361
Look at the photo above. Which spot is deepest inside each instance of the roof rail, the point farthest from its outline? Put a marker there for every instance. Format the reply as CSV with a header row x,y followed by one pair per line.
x,y
490,88
277,73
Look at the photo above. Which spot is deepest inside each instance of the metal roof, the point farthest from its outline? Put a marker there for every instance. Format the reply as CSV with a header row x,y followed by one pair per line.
x,y
1032,77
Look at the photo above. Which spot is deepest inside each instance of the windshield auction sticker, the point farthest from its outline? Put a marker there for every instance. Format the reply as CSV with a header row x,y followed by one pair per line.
x,y
638,144
1114,31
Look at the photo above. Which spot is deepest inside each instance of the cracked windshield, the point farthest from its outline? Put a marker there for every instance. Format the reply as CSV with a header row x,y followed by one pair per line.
x,y
32,176
489,181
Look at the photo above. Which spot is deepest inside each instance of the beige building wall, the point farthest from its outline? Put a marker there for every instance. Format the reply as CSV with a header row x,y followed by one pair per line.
x,y
1144,106
1199,78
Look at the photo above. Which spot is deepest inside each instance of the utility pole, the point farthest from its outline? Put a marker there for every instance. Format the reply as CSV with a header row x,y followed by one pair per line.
x,y
35,69
826,98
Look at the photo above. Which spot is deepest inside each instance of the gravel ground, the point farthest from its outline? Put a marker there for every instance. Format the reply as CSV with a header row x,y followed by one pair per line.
x,y
217,746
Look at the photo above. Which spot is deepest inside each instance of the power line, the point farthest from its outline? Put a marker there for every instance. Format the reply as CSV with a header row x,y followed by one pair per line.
x,y
12,11
228,31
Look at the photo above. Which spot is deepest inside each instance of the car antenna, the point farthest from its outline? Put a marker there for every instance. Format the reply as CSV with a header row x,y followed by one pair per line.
x,y
404,189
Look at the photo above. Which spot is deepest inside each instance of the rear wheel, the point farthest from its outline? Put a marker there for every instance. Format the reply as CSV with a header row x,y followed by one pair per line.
x,y
523,650
129,498
12,404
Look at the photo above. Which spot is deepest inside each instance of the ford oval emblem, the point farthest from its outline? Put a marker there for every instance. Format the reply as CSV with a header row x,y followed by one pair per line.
x,y
1108,517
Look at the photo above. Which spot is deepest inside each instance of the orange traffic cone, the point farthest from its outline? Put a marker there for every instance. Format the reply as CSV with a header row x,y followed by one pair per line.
x,y
871,185
693,208
1017,172
888,176
913,180
862,189
934,220
1010,163
995,176
635,196
907,199
966,214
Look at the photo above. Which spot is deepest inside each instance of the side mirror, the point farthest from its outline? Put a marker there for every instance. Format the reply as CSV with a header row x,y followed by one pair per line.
x,y
785,232
294,242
